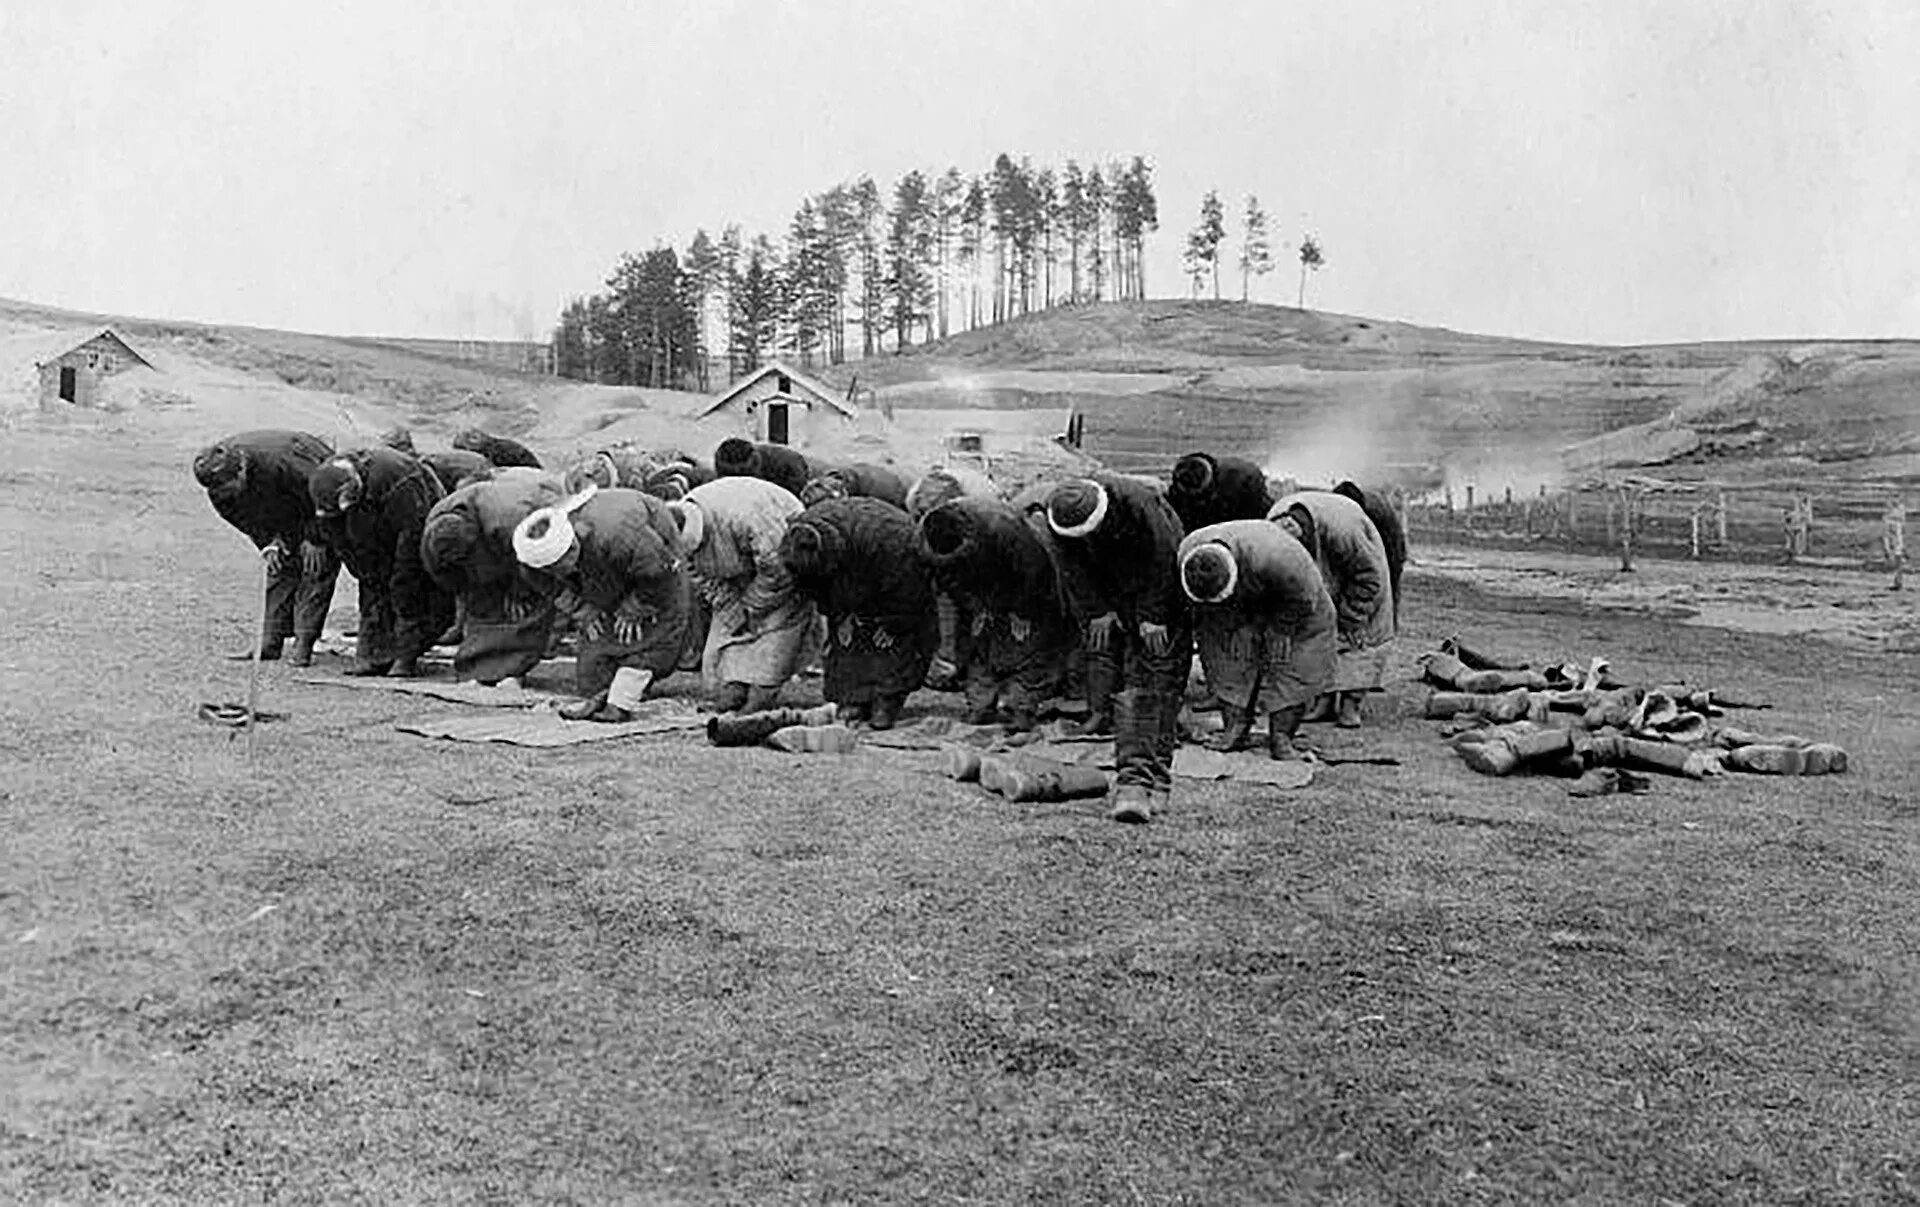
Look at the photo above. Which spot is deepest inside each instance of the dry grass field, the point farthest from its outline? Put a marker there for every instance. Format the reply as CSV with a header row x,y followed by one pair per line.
x,y
361,966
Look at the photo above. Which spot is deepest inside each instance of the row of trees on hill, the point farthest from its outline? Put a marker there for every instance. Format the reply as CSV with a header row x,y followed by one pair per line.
x,y
934,255
1202,256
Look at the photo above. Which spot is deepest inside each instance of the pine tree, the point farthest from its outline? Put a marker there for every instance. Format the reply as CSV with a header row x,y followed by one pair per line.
x,y
1193,262
1311,258
809,292
1004,190
867,212
1099,212
909,279
572,355
756,313
1203,245
1046,217
732,261
973,241
1136,213
704,284
840,222
606,358
1256,246
949,195
1073,223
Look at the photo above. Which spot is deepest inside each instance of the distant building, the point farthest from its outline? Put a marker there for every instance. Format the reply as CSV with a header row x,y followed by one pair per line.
x,y
74,375
780,405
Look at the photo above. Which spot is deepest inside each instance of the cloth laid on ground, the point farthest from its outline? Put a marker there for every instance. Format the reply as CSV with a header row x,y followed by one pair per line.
x,y
934,733
1199,763
458,691
541,727
1056,743
344,645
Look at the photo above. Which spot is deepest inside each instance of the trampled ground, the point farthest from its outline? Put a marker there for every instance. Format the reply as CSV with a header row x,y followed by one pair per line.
x,y
367,967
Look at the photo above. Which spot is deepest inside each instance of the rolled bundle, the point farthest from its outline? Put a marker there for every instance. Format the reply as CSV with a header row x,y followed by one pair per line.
x,y
753,728
1815,758
814,739
1510,706
1033,780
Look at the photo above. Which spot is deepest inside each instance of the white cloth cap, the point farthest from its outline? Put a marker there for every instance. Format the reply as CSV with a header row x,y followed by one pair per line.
x,y
543,538
693,523
1233,573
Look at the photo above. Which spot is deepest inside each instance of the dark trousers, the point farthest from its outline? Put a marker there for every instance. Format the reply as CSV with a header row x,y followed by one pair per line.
x,y
399,621
1147,705
297,602
504,631
1000,667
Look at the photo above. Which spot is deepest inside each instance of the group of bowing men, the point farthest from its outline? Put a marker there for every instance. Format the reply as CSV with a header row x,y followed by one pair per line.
x,y
749,569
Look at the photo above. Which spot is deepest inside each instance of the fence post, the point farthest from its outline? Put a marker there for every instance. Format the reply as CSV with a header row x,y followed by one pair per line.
x,y
1627,508
1893,539
1693,531
1720,520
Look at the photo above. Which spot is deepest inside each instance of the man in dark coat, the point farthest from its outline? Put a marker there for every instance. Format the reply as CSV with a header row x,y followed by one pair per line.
x,y
257,482
860,480
1386,521
1118,543
996,568
454,467
858,560
775,463
1212,490
372,504
939,485
609,559
467,546
671,482
497,449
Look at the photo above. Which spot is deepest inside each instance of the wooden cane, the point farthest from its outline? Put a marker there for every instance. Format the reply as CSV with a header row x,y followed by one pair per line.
x,y
253,676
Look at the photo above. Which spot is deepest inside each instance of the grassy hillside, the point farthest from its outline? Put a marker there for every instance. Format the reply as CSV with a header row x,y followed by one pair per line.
x,y
1309,394
1317,394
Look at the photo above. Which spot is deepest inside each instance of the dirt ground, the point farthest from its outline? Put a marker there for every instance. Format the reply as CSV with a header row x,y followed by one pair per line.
x,y
363,966
1848,607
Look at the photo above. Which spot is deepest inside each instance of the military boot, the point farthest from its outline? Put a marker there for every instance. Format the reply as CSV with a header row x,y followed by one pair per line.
x,y
1236,724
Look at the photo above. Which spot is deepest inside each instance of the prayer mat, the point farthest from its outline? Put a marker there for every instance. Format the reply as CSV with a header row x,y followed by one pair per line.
x,y
542,727
460,692
1199,763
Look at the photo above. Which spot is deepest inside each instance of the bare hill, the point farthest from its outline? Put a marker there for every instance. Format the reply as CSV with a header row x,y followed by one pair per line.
x,y
1309,394
1318,395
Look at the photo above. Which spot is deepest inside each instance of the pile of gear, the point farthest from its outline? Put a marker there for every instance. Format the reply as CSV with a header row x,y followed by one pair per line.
x,y
1580,723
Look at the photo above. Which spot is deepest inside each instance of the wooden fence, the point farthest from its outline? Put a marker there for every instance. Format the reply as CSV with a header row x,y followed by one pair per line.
x,y
1862,527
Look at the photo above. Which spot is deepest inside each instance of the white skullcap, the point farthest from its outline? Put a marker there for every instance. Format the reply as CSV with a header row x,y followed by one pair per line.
x,y
544,537
693,523
1212,550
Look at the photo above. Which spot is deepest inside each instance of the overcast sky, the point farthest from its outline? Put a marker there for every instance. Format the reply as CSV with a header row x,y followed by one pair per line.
x,y
1610,171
